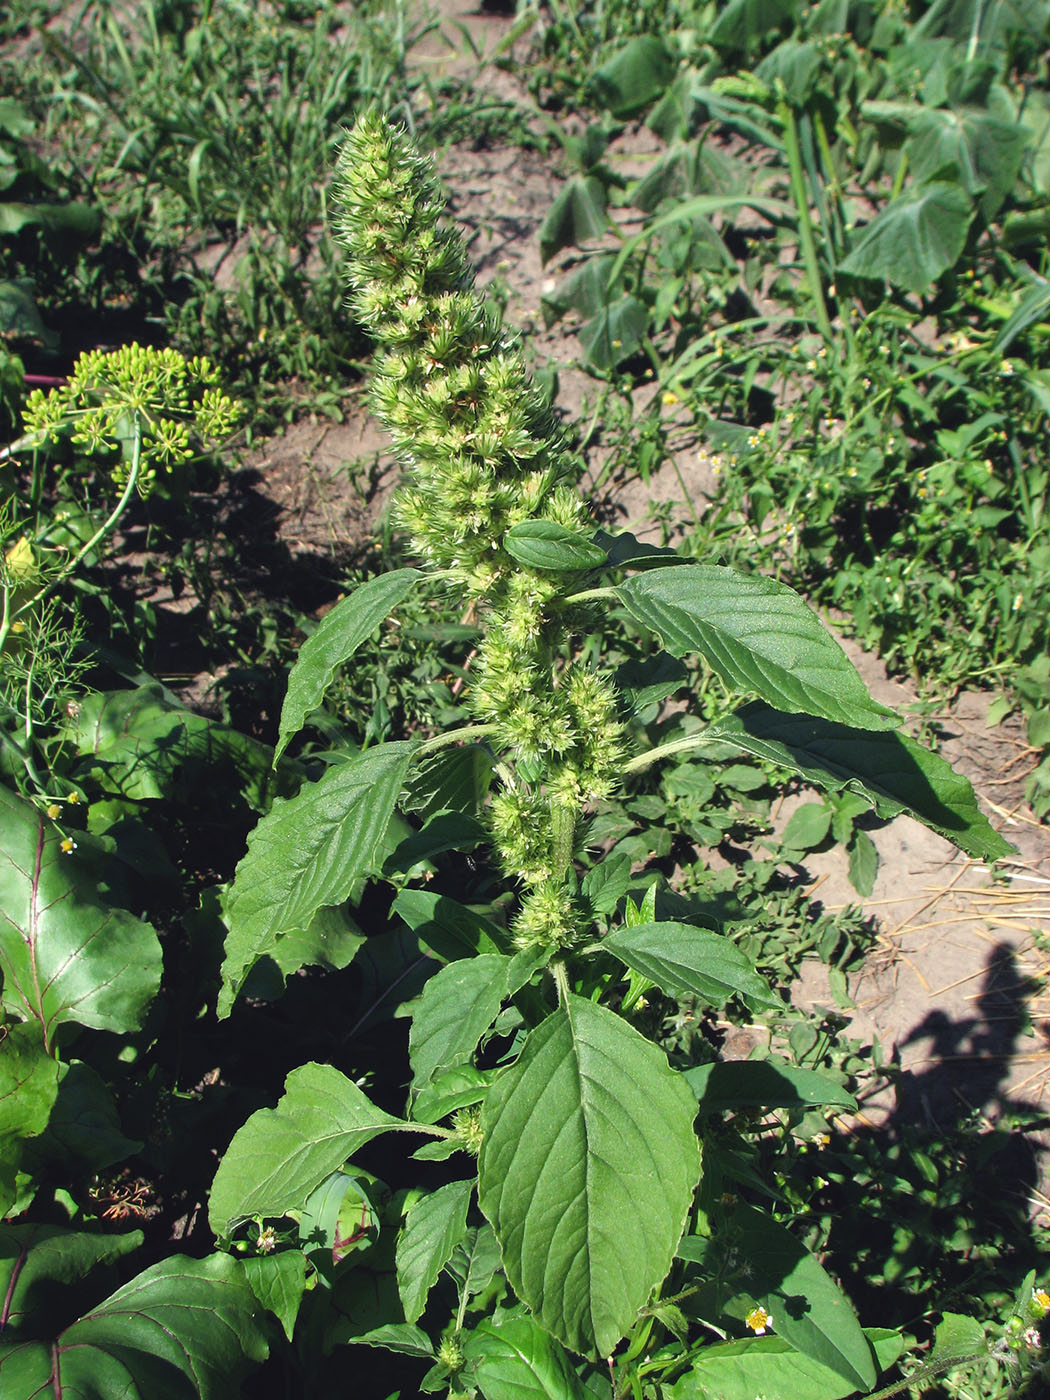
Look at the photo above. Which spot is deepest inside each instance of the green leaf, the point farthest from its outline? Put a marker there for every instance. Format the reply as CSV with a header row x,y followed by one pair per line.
x,y
614,333
587,1171
863,863
807,827
83,1131
634,76
338,635
544,544
769,1367
896,773
915,238
453,780
145,746
448,1090
458,1005
771,1083
39,1262
513,1358
605,884
67,957
433,1228
686,961
758,635
957,1336
281,1154
448,928
278,1281
307,853
577,214
808,1308
398,1336
184,1328
28,1089
475,1263
975,150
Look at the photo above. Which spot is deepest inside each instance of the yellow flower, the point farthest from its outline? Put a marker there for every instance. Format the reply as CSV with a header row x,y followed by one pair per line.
x,y
68,845
669,398
54,810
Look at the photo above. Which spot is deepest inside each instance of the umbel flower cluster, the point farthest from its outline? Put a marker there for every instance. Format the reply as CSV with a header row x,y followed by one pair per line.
x,y
482,452
171,399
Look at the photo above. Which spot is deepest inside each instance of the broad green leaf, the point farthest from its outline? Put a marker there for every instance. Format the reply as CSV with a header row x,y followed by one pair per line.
x,y
79,219
957,1336
453,780
744,24
735,1084
474,1263
577,214
185,1329
307,853
979,152
896,773
28,1089
447,831
338,635
758,635
145,746
807,827
433,1228
448,1090
605,884
686,961
587,1171
447,927
769,1367
458,1005
513,1358
615,332
67,957
278,1281
915,238
398,1336
38,1260
808,1308
281,1154
330,940
634,76
83,1131
544,544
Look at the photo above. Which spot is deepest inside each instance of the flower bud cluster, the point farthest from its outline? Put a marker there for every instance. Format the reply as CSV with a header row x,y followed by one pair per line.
x,y
482,453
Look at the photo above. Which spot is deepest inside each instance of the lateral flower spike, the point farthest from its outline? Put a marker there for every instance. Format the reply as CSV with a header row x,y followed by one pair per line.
x,y
481,453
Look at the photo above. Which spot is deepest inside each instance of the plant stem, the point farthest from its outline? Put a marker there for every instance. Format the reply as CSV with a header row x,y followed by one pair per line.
x,y
442,741
805,223
100,534
645,760
924,1374
590,595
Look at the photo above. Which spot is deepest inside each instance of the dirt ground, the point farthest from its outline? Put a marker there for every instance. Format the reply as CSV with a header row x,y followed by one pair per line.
x,y
958,986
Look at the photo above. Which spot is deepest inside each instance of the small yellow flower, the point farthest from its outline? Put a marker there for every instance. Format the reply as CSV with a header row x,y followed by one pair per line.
x,y
811,364
669,398
1041,1297
759,1320
68,845
73,798
18,627
1006,367
54,810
